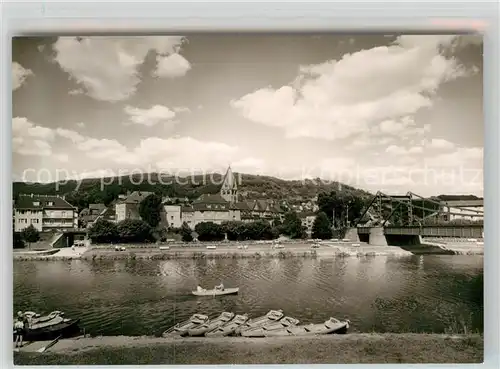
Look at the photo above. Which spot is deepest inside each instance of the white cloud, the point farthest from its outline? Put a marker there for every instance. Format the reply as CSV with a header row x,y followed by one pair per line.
x,y
466,157
398,150
383,86
70,134
107,67
150,117
174,65
31,139
19,75
439,143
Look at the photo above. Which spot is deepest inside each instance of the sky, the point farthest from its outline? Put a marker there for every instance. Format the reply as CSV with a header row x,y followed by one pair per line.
x,y
394,113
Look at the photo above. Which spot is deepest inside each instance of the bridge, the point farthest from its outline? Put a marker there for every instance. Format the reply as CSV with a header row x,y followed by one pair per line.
x,y
407,218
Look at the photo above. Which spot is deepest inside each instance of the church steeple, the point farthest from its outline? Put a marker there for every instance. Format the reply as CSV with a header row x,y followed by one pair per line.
x,y
229,188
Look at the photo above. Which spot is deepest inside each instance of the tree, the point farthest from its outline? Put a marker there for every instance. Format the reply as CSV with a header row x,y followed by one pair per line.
x,y
30,234
292,226
150,210
185,232
134,230
321,227
346,207
103,231
209,231
260,230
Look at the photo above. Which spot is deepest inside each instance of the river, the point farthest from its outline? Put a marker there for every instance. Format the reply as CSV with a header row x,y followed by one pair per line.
x,y
144,297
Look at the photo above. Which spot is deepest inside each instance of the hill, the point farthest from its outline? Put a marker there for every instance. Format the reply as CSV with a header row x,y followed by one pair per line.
x,y
106,190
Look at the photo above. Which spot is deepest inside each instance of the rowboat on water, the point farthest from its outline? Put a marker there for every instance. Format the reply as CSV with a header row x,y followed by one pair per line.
x,y
215,292
210,325
271,316
332,325
182,328
228,328
35,318
50,326
271,326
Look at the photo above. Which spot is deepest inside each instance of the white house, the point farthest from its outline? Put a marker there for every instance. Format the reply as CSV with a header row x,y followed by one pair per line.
x,y
45,213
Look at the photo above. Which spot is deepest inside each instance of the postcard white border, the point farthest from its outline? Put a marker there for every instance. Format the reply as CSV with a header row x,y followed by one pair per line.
x,y
55,18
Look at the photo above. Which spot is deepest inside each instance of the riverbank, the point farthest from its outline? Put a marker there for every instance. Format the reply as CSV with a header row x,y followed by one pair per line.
x,y
236,250
328,349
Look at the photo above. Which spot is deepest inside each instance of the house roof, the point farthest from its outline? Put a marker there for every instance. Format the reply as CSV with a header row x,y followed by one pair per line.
x,y
136,197
28,202
99,207
187,209
210,199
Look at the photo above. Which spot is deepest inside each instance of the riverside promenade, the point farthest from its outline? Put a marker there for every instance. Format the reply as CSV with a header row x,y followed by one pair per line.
x,y
179,250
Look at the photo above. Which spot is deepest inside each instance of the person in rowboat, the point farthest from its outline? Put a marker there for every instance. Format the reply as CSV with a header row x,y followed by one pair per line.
x,y
220,287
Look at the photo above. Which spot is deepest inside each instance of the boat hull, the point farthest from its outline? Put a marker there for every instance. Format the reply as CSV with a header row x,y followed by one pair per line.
x,y
181,329
310,330
269,318
64,329
226,291
228,328
285,322
210,325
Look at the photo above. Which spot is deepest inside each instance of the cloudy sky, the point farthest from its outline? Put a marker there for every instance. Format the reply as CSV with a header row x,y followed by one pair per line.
x,y
380,112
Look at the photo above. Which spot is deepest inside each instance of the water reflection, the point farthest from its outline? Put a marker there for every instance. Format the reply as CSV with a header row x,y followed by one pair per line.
x,y
144,297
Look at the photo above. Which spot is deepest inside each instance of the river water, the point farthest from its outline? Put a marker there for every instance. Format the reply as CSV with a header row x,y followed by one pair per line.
x,y
140,297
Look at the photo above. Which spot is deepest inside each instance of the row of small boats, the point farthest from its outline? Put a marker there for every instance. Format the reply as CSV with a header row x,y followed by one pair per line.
x,y
273,324
47,327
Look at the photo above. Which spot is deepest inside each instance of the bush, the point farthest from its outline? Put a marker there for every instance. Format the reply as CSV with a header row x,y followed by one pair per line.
x,y
185,233
103,231
134,230
209,231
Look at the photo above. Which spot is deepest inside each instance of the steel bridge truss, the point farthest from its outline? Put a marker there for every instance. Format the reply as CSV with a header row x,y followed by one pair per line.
x,y
409,210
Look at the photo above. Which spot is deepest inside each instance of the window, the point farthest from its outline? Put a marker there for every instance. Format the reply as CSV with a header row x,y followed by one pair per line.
x,y
63,214
36,203
50,203
34,221
172,218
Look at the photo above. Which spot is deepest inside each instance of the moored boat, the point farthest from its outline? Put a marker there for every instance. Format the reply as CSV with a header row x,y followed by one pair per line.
x,y
228,328
332,325
270,317
58,326
35,318
182,328
215,292
271,326
210,325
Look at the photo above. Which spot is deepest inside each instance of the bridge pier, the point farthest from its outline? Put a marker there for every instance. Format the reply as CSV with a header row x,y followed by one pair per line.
x,y
352,235
377,237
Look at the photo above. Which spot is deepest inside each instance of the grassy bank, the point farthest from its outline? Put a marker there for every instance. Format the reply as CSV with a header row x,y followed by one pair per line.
x,y
331,349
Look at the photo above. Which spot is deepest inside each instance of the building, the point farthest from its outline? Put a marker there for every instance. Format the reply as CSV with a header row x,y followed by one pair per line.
x,y
128,208
45,213
470,210
89,215
173,215
307,219
254,210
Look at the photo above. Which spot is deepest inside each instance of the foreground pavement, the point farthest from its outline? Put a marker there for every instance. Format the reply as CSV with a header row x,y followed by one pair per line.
x,y
328,349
